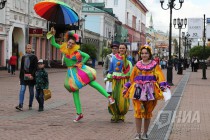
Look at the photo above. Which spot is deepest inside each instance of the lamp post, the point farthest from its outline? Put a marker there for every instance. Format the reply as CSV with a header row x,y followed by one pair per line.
x,y
170,5
186,42
180,22
204,46
2,3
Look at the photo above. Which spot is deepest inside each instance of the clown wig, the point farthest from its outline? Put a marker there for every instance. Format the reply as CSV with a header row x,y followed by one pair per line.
x,y
71,35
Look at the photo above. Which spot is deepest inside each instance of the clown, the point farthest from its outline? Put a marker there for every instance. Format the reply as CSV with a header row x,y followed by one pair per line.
x,y
78,75
119,73
147,82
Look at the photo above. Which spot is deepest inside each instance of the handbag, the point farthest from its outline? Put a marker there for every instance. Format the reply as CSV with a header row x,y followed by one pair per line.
x,y
47,94
167,94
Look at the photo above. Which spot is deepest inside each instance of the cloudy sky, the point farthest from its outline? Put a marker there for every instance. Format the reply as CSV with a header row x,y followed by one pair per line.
x,y
190,9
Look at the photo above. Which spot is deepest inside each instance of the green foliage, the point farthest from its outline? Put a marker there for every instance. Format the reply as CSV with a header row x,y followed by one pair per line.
x,y
89,49
198,51
105,52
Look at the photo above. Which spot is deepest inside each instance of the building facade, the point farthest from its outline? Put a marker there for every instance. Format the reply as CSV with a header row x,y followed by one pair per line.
x,y
20,25
133,18
101,21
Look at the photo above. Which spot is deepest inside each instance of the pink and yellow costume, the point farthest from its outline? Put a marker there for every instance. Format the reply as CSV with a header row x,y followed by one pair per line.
x,y
145,87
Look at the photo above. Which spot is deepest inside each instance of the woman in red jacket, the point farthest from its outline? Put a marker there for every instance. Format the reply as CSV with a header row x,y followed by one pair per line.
x,y
13,63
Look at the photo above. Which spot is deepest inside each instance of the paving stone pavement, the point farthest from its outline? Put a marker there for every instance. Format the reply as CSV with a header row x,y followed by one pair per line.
x,y
56,121
192,121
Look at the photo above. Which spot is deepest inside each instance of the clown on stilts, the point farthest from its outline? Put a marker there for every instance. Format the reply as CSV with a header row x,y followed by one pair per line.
x,y
78,74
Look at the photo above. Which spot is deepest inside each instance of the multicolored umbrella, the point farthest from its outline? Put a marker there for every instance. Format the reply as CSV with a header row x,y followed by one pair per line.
x,y
56,11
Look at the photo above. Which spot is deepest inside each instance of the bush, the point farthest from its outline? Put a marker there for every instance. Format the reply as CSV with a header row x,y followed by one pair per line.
x,y
89,49
198,51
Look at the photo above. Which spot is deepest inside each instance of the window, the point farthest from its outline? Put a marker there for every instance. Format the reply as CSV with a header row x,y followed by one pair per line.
x,y
127,18
143,27
34,45
134,22
115,2
17,4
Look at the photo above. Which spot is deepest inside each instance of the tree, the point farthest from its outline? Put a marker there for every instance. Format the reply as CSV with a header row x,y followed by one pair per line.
x,y
89,49
105,52
198,51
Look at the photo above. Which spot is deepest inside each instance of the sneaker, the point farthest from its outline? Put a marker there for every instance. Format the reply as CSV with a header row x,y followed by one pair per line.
x,y
137,137
111,100
19,108
78,117
144,137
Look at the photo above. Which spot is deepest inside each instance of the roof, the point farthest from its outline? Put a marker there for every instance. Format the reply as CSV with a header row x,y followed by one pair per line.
x,y
98,5
101,6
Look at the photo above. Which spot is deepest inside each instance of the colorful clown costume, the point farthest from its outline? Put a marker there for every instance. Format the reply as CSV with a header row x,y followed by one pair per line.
x,y
119,73
145,87
78,75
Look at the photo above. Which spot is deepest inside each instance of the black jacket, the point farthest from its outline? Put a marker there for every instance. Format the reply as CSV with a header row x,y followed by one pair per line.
x,y
32,70
41,79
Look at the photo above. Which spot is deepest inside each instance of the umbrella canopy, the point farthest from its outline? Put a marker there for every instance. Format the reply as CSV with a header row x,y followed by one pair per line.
x,y
56,11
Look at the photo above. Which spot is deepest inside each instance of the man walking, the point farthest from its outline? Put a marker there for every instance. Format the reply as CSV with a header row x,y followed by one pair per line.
x,y
108,59
27,76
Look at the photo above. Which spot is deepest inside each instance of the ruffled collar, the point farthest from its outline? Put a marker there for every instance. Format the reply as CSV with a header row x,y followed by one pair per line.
x,y
69,51
119,57
146,67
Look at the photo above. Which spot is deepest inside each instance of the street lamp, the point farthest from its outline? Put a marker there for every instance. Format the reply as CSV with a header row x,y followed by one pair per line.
x,y
180,22
204,46
170,5
186,42
2,3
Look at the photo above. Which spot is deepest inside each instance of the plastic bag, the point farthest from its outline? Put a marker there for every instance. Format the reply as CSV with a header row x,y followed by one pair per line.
x,y
167,94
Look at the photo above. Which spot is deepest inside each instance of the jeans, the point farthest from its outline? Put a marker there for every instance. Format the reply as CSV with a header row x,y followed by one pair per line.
x,y
12,69
22,93
40,97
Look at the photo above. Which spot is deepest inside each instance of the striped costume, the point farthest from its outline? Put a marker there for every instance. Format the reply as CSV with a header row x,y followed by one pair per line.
x,y
119,72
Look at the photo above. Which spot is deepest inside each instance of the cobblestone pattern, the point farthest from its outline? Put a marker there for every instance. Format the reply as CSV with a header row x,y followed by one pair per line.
x,y
56,121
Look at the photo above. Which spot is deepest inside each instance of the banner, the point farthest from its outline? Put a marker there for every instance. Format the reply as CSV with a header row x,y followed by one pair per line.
x,y
208,32
195,27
